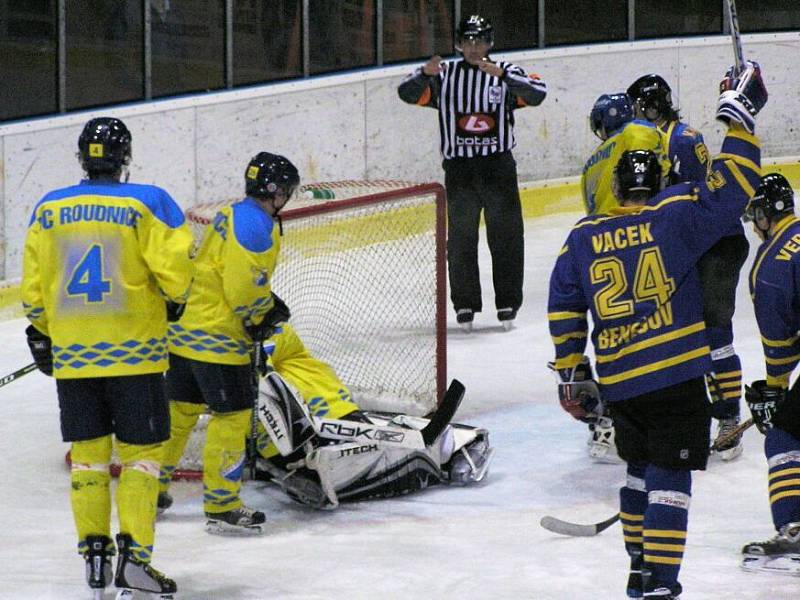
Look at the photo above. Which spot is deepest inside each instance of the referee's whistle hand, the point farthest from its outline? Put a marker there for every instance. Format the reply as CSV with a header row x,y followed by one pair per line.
x,y
432,67
490,68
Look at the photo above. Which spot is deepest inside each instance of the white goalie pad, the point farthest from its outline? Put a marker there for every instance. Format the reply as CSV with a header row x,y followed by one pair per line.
x,y
361,466
284,414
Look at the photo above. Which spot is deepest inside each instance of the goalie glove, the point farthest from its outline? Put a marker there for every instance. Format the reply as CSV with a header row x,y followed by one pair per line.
x,y
742,96
578,392
763,401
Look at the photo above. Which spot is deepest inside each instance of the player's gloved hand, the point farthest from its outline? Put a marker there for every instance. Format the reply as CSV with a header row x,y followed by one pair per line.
x,y
41,349
279,313
763,400
174,310
578,392
742,96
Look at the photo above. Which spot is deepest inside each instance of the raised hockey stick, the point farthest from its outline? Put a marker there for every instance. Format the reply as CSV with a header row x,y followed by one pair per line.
x,y
17,374
736,38
740,428
574,529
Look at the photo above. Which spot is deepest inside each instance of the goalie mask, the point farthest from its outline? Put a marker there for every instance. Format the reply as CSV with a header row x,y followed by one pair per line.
x,y
637,175
104,146
609,113
773,199
474,27
652,95
271,177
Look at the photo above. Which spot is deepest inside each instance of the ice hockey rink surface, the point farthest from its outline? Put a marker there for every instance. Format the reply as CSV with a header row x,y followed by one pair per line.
x,y
480,542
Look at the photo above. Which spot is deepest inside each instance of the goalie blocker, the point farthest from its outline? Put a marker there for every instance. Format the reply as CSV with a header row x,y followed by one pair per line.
x,y
366,454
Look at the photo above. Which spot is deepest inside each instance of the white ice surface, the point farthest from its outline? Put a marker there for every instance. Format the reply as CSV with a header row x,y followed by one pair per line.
x,y
461,543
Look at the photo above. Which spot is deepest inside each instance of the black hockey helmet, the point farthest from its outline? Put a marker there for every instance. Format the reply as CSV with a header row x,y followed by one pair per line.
x,y
475,27
652,92
266,173
774,197
637,174
104,146
609,113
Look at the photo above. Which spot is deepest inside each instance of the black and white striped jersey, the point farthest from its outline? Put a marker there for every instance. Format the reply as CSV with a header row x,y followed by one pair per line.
x,y
476,110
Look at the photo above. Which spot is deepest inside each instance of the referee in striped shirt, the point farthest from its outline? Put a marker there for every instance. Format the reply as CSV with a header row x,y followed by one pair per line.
x,y
476,98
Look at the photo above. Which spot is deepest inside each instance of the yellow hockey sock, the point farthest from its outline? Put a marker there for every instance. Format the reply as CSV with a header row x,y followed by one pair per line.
x,y
183,417
223,460
137,493
90,495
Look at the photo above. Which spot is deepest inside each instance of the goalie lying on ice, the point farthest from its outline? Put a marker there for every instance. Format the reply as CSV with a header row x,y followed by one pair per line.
x,y
323,449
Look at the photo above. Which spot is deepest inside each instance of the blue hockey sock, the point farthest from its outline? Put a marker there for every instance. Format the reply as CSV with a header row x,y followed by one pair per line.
x,y
783,456
665,521
726,385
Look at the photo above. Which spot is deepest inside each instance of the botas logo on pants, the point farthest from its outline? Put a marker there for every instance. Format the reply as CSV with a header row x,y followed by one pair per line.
x,y
476,123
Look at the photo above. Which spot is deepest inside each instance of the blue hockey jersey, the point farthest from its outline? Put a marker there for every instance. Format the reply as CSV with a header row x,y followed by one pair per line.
x,y
775,289
634,269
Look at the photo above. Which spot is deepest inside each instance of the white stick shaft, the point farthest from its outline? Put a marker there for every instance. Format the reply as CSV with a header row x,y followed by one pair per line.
x,y
736,37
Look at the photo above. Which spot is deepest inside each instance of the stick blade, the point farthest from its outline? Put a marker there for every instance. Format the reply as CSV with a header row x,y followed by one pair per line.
x,y
575,529
444,414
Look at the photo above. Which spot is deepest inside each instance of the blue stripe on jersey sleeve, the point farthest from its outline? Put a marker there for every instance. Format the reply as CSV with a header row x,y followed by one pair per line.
x,y
157,200
252,226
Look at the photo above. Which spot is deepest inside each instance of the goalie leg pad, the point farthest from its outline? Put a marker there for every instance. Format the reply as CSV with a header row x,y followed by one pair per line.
x,y
356,471
284,415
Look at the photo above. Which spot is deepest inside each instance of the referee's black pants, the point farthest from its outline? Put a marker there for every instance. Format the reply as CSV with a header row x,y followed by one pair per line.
x,y
487,183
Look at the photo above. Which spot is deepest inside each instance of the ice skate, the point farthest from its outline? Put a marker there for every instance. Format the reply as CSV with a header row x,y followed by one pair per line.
x,y
662,593
464,317
733,448
634,587
471,463
135,579
164,502
602,448
239,521
780,554
98,563
506,317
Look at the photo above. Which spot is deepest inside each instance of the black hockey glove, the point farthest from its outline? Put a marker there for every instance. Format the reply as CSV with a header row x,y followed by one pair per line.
x,y
279,313
578,392
41,349
763,400
174,310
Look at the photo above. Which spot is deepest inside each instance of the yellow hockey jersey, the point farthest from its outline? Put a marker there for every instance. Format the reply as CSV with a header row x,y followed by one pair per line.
x,y
234,266
100,258
598,172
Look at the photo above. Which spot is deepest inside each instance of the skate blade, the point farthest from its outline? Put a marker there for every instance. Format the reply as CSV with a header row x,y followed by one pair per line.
x,y
783,565
131,594
731,453
466,327
508,325
226,529
98,594
601,455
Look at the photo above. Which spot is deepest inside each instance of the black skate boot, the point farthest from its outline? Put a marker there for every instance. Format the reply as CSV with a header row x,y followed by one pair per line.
x,y
164,502
239,521
635,585
134,575
781,554
98,563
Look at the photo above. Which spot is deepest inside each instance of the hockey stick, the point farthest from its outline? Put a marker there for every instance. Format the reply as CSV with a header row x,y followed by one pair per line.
x,y
574,529
17,374
252,442
736,38
722,441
